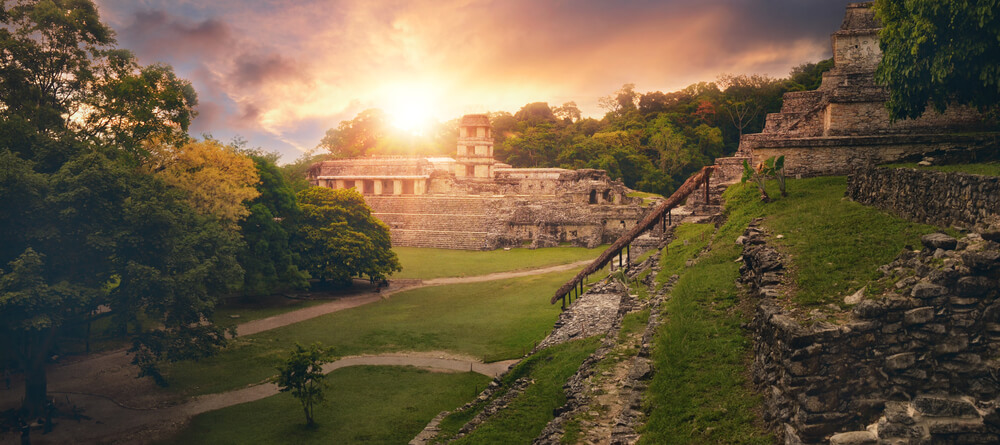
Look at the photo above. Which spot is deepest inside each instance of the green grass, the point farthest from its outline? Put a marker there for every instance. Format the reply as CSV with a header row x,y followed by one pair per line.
x,y
699,392
689,239
493,320
986,168
424,263
365,404
529,412
835,245
646,197
266,307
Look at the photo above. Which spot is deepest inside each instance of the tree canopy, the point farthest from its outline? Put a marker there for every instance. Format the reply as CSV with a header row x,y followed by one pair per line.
x,y
939,52
338,238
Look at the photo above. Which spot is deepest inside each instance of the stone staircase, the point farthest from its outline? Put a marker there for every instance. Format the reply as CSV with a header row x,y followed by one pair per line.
x,y
435,221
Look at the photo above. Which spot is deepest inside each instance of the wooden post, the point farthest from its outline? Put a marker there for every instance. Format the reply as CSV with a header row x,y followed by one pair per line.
x,y
628,255
706,189
670,217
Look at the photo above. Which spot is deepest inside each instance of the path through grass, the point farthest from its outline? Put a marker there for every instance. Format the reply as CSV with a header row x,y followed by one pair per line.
x,y
365,404
493,320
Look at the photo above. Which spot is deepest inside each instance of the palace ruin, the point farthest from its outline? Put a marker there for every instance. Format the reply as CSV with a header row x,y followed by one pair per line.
x,y
474,202
845,123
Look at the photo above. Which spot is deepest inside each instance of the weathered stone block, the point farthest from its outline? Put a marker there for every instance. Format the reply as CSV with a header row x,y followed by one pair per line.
x,y
901,361
939,241
854,438
974,287
952,345
944,407
919,315
928,290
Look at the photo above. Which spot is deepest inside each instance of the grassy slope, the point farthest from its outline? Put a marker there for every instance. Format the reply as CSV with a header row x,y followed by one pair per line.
x,y
365,404
987,169
836,245
699,393
528,413
436,263
493,320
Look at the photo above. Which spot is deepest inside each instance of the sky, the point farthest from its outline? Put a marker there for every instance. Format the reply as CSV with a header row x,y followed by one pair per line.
x,y
278,74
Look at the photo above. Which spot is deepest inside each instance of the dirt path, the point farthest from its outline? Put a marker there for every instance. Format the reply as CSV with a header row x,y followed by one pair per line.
x,y
296,316
111,421
104,385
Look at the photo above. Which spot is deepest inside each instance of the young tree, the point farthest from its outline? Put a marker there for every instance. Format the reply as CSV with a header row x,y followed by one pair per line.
x,y
302,375
337,237
939,52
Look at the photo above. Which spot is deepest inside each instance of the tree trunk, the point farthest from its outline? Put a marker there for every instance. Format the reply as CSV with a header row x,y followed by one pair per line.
x,y
35,389
35,382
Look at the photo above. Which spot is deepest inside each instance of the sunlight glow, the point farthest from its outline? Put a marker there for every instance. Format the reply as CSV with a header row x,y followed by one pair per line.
x,y
411,107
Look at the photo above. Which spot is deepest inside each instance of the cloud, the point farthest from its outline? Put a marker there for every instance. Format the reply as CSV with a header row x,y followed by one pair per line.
x,y
270,65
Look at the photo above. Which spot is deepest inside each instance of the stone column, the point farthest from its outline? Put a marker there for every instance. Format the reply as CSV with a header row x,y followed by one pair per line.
x,y
378,186
419,187
338,184
397,187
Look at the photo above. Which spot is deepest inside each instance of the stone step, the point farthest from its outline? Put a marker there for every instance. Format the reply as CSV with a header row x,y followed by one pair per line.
x,y
439,239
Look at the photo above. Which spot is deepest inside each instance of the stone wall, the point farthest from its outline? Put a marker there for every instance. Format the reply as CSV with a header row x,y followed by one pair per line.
x,y
943,199
840,155
915,364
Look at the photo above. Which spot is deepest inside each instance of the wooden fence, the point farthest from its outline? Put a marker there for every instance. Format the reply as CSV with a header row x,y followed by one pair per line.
x,y
659,215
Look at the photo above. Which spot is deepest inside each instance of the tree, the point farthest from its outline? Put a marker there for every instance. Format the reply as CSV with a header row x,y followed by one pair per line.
x,y
939,52
61,73
337,237
87,234
620,102
357,136
568,112
808,76
217,179
268,260
302,375
748,97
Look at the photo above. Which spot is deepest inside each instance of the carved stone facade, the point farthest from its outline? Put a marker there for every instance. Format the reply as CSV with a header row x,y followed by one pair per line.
x,y
474,202
845,122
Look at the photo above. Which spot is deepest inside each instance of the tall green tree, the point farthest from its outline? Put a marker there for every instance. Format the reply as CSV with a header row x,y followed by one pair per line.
x,y
87,233
268,261
939,52
337,238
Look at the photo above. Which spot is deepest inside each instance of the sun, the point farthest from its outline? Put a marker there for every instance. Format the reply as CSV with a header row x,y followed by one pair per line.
x,y
409,117
410,107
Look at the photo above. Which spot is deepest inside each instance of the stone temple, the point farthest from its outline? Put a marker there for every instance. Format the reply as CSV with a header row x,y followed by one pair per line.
x,y
844,122
474,202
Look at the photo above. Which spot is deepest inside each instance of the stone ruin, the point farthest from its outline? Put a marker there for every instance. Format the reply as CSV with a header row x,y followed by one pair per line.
x,y
474,202
844,122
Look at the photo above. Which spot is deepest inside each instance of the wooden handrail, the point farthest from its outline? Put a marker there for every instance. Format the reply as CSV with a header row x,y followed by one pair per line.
x,y
647,223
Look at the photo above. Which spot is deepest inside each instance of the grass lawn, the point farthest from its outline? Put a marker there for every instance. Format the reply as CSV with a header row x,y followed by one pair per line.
x,y
365,404
523,419
836,245
986,168
699,393
424,263
265,307
492,320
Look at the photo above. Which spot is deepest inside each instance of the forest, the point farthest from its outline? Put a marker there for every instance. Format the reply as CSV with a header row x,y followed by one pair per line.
x,y
653,141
